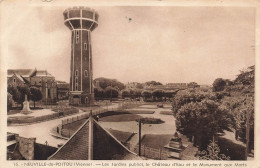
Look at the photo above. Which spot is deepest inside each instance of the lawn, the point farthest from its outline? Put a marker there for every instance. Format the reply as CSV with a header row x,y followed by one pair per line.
x,y
156,141
139,111
121,136
166,112
120,118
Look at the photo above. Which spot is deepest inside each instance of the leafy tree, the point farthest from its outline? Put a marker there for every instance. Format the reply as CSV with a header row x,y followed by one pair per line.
x,y
125,93
202,120
35,95
99,93
193,85
153,83
158,94
139,86
190,95
105,82
246,77
16,94
146,94
219,85
111,92
137,93
9,101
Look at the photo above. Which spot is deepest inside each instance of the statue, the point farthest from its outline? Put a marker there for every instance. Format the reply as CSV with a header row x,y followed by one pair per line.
x,y
26,106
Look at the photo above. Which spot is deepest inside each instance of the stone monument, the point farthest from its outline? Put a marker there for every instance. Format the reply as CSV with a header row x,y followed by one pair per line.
x,y
175,147
26,106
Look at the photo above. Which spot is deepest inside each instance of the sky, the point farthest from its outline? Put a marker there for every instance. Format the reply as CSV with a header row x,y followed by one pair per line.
x,y
165,44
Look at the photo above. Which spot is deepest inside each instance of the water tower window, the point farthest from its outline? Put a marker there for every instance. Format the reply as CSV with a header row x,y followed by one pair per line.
x,y
77,36
85,46
86,73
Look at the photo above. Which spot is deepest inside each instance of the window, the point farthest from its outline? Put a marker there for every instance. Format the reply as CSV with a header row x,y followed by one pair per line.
x,y
76,80
85,46
86,73
14,80
76,73
77,36
76,86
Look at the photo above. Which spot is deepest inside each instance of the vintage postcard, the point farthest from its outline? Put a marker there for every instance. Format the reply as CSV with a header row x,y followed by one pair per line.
x,y
129,84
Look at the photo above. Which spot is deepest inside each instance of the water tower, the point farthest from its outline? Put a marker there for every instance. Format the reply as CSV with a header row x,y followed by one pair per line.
x,y
81,21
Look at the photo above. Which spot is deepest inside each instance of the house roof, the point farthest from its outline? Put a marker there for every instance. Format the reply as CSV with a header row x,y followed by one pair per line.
x,y
21,72
104,145
19,77
43,73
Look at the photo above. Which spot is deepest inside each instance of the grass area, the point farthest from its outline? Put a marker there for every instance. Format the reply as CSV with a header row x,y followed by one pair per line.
x,y
120,118
155,140
147,120
233,150
10,112
166,112
139,111
121,136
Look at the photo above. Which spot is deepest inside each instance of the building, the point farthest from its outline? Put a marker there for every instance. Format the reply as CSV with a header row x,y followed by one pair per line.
x,y
93,142
33,77
81,21
21,148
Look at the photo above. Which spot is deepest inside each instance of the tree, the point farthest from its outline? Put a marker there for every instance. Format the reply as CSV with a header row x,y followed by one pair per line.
x,y
146,95
153,83
16,94
219,85
9,101
190,95
111,92
35,95
157,94
137,93
99,93
105,82
139,86
125,93
202,120
246,77
193,85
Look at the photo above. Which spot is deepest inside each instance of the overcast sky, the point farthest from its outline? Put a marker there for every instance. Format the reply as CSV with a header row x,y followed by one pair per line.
x,y
166,44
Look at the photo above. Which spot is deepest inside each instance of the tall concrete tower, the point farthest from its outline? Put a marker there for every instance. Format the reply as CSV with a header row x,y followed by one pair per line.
x,y
81,21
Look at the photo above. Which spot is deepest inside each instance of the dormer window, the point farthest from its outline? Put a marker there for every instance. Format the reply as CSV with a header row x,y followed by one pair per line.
x,y
14,80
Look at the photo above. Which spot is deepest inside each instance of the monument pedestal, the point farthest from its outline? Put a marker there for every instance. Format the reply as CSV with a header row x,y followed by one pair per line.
x,y
175,147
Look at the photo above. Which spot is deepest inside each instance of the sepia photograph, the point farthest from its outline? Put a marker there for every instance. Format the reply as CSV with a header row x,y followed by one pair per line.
x,y
128,82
